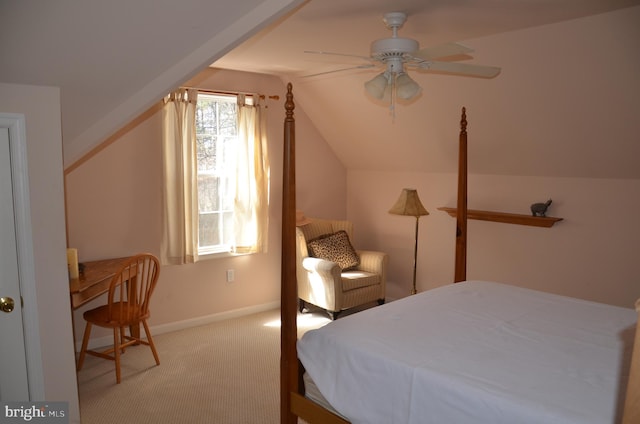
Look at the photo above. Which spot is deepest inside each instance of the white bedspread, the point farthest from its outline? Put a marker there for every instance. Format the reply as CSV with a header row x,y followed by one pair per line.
x,y
475,352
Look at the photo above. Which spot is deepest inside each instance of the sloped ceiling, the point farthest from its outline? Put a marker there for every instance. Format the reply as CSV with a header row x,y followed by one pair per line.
x,y
112,60
563,105
349,26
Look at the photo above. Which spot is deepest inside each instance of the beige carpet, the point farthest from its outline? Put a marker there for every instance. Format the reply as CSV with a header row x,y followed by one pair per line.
x,y
225,372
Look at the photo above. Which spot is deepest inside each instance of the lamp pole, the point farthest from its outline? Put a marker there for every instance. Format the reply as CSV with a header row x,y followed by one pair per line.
x,y
415,259
408,204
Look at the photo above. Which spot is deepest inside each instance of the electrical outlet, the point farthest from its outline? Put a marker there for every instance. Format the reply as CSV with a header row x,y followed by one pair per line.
x,y
230,275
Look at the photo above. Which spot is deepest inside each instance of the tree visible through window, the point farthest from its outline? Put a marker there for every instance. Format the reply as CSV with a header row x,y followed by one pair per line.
x,y
217,137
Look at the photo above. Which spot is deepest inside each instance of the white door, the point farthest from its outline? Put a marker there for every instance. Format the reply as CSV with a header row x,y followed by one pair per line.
x,y
13,365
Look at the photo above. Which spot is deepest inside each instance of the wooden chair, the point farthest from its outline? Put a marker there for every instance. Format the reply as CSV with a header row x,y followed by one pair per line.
x,y
128,306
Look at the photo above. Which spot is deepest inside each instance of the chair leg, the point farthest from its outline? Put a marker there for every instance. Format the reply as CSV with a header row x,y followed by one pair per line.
x,y
150,341
116,352
301,305
83,349
123,339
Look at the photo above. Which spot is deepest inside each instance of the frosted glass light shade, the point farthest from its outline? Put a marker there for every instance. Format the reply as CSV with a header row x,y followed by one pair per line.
x,y
377,85
406,88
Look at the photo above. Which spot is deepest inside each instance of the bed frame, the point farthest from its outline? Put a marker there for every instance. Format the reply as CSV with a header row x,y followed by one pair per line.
x,y
293,403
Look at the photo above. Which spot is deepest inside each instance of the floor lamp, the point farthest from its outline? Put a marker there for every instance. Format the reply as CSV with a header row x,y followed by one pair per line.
x,y
409,205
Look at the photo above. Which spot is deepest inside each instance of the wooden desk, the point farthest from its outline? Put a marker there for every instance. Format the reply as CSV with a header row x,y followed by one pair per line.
x,y
94,281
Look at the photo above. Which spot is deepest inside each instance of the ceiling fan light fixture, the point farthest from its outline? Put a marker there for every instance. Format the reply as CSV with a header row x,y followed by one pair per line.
x,y
377,86
406,88
397,53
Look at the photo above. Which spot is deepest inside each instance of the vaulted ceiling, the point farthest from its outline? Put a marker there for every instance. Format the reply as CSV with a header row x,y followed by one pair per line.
x,y
112,60
350,26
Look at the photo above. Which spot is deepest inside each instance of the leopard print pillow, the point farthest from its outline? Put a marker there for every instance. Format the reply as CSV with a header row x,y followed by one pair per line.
x,y
336,248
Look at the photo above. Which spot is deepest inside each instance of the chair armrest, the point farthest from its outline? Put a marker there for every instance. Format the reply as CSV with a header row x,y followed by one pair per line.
x,y
325,272
372,261
321,267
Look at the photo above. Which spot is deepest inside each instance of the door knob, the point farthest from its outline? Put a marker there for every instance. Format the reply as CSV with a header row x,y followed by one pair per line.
x,y
7,304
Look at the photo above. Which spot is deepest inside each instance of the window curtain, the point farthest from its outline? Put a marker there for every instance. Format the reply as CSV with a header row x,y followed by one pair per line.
x,y
251,212
180,189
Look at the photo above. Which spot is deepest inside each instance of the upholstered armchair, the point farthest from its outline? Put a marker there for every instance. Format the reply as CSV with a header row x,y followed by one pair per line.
x,y
331,274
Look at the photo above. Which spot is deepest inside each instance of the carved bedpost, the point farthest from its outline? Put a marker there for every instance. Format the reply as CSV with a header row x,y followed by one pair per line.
x,y
288,294
461,213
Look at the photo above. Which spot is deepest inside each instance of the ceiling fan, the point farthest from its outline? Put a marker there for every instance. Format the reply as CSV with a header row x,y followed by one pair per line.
x,y
397,54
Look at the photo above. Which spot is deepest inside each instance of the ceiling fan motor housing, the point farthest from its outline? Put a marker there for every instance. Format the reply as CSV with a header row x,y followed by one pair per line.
x,y
395,52
393,47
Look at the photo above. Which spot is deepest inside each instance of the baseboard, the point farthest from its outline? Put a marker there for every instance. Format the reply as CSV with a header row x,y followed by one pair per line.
x,y
189,323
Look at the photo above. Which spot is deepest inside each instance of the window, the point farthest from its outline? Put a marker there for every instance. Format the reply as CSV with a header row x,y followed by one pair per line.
x,y
216,140
216,175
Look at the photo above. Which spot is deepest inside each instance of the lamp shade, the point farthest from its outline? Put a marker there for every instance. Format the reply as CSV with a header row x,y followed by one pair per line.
x,y
301,219
408,204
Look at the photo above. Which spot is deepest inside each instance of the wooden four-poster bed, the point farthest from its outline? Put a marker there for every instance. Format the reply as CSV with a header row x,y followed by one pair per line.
x,y
571,355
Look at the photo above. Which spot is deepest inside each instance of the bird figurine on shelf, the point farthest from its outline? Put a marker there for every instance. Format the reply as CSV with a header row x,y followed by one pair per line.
x,y
540,209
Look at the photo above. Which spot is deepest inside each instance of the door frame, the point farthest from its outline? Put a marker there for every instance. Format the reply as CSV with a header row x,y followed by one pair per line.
x,y
15,123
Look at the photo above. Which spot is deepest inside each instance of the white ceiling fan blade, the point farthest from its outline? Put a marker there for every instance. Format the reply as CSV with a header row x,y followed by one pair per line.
x,y
337,54
443,50
367,66
462,68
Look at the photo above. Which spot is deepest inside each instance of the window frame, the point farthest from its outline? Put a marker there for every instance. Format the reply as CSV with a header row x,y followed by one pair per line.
x,y
222,249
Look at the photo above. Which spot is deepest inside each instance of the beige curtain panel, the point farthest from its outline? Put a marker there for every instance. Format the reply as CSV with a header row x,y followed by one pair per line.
x,y
251,205
180,188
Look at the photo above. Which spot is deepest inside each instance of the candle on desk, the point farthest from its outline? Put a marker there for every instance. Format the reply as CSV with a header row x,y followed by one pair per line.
x,y
72,262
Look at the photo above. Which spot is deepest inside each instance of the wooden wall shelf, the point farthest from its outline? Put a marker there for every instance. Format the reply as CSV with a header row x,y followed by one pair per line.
x,y
509,218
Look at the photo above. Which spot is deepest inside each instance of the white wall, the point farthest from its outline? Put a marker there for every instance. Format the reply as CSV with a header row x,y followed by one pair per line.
x,y
41,107
591,254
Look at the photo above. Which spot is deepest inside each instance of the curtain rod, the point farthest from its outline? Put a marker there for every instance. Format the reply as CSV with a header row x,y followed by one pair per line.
x,y
233,93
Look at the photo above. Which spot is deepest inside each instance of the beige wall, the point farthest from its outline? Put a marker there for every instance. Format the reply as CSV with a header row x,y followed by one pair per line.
x,y
587,255
41,108
591,254
113,209
564,105
557,87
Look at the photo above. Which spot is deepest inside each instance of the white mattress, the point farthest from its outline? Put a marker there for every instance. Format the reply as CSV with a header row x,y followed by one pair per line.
x,y
475,352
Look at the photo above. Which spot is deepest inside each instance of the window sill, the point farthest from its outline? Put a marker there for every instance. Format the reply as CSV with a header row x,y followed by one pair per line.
x,y
205,256
213,255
